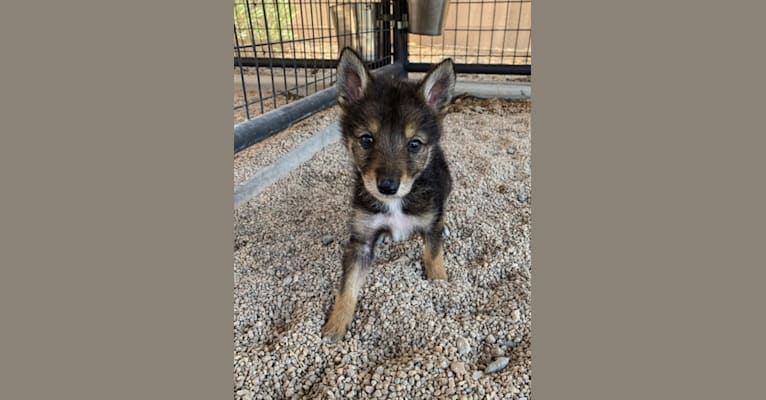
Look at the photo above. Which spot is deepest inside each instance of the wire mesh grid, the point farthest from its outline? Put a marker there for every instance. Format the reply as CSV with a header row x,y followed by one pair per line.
x,y
479,32
287,49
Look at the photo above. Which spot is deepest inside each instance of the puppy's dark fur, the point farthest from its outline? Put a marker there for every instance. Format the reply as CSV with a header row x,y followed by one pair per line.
x,y
391,129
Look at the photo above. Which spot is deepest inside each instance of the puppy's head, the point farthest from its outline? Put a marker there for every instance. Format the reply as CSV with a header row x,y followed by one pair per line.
x,y
391,127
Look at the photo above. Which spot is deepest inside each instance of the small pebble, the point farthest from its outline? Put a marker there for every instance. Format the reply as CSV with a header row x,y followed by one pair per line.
x,y
462,346
497,365
522,197
458,367
327,239
515,315
244,394
476,375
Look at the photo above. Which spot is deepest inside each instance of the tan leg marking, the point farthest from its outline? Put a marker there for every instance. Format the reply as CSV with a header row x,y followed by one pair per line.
x,y
433,259
345,303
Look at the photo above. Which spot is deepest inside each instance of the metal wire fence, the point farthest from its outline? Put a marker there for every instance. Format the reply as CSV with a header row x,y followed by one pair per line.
x,y
285,50
479,32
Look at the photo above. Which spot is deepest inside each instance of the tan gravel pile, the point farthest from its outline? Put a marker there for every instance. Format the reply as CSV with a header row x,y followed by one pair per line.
x,y
468,337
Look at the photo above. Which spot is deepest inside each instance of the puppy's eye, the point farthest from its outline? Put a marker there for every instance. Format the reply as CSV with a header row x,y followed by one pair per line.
x,y
414,145
366,141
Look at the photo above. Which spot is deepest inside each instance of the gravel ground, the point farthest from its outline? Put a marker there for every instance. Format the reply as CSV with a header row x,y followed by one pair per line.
x,y
251,160
467,337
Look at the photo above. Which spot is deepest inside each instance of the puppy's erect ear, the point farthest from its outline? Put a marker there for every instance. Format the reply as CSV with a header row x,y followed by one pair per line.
x,y
438,86
353,78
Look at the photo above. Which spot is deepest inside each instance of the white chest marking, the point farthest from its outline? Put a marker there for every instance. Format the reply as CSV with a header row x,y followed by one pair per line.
x,y
400,224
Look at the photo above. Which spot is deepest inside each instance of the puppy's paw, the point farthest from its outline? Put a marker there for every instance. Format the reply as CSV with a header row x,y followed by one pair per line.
x,y
340,318
436,274
334,329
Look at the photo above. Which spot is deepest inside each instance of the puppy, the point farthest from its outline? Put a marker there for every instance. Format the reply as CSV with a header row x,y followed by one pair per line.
x,y
391,129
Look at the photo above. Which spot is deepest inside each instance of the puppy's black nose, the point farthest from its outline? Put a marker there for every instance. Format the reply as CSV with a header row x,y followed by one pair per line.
x,y
388,185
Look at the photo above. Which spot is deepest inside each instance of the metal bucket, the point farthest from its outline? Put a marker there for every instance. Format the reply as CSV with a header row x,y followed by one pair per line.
x,y
359,26
426,17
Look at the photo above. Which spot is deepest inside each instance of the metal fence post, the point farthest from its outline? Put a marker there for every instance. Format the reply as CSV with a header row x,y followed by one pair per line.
x,y
400,33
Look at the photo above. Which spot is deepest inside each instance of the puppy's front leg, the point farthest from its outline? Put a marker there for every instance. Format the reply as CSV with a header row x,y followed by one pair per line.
x,y
433,251
357,259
